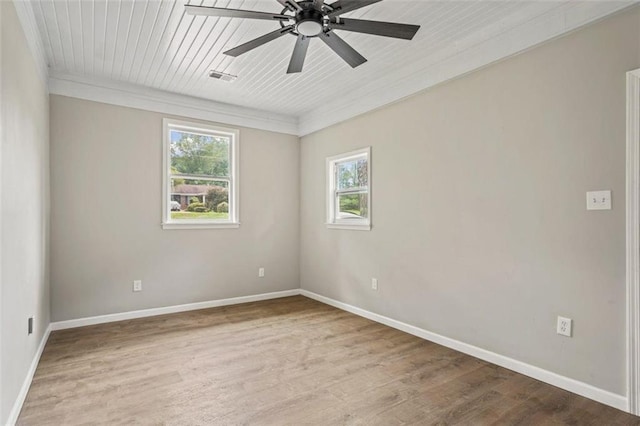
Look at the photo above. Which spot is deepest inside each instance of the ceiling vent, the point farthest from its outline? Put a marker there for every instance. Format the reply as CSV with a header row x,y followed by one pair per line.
x,y
222,76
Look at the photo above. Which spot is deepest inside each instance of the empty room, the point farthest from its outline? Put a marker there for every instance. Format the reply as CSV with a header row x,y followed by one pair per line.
x,y
319,212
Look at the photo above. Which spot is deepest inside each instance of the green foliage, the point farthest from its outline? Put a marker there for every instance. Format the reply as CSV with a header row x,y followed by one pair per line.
x,y
355,203
215,196
194,215
200,155
193,200
176,181
223,207
364,204
353,174
197,207
350,203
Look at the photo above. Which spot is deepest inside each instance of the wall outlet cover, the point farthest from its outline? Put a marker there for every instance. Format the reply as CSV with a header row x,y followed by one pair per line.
x,y
564,326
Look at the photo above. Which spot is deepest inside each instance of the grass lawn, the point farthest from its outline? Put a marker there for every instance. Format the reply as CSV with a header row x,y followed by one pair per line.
x,y
193,215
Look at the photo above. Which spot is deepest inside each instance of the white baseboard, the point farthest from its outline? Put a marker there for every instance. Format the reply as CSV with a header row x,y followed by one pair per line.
x,y
17,405
101,319
61,325
571,385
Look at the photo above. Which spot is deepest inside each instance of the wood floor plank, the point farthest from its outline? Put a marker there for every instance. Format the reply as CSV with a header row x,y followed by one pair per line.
x,y
287,361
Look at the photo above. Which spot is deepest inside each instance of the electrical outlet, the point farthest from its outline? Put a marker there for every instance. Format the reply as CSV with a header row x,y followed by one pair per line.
x,y
260,272
374,284
137,285
30,325
564,326
599,200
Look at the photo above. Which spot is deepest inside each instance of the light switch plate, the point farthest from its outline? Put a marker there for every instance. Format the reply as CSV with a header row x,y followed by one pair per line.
x,y
599,200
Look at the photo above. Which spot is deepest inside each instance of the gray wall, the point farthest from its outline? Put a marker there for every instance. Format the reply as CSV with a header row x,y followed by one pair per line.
x,y
480,230
106,171
24,201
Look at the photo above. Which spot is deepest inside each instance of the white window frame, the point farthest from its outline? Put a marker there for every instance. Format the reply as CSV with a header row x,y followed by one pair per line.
x,y
332,192
169,124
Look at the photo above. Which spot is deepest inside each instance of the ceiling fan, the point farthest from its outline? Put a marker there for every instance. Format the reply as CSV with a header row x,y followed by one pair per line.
x,y
307,19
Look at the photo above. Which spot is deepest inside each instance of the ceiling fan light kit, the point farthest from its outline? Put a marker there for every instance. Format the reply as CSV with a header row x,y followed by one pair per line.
x,y
309,23
307,19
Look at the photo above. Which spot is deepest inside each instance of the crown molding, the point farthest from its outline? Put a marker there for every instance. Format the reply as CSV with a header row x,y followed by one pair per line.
x,y
135,96
24,10
502,40
474,53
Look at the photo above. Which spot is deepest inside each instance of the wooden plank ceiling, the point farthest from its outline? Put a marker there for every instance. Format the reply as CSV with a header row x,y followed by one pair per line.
x,y
154,43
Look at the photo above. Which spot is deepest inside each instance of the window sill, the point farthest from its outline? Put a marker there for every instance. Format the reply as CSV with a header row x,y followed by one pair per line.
x,y
352,227
174,225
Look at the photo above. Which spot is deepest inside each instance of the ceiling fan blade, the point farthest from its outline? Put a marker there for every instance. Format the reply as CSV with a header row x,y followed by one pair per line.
x,y
257,42
290,4
233,13
299,54
317,4
346,52
345,6
386,29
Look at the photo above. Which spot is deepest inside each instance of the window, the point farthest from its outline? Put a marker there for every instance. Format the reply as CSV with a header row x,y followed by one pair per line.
x,y
200,176
349,190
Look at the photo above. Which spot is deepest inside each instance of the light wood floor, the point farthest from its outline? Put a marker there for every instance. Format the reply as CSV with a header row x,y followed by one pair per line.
x,y
289,361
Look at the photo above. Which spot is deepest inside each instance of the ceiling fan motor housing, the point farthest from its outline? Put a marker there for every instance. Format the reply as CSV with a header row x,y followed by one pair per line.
x,y
309,22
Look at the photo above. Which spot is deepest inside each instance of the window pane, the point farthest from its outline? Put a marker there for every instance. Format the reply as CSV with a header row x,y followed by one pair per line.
x,y
352,174
199,199
196,154
352,206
